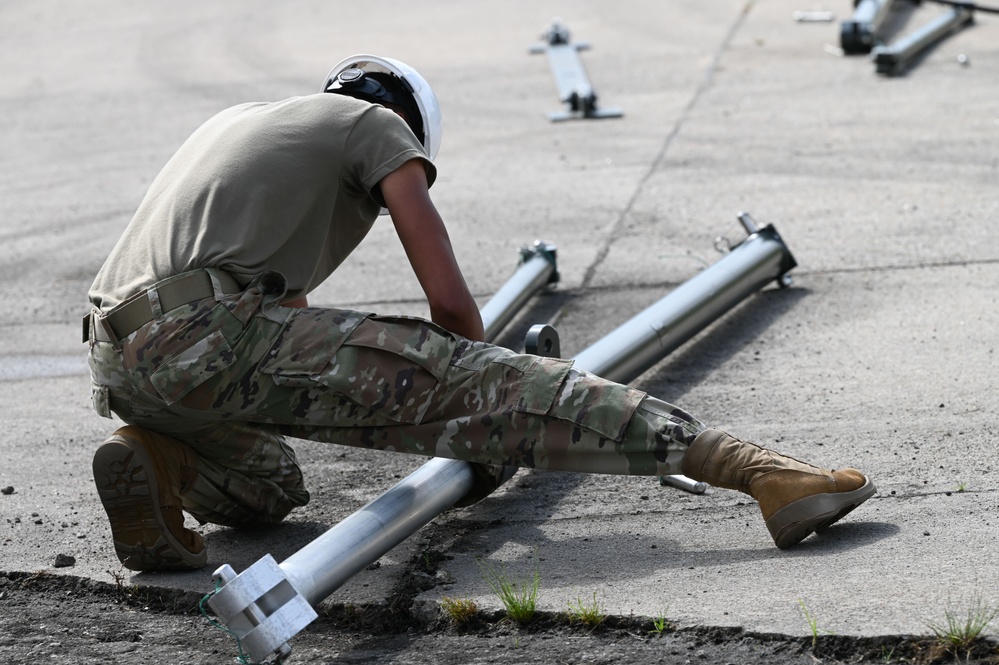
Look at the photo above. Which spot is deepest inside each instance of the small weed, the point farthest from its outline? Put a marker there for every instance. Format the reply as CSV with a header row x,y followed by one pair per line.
x,y
588,614
119,578
659,622
958,631
519,597
813,623
123,592
459,610
961,486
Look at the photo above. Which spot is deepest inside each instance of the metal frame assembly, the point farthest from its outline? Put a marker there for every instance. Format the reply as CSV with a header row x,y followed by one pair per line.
x,y
268,604
864,33
574,87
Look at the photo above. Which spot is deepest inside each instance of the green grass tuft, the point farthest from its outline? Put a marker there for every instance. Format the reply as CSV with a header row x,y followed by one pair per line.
x,y
813,623
519,597
959,630
588,614
659,622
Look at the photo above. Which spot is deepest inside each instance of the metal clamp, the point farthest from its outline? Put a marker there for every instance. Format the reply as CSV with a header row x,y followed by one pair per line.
x,y
543,340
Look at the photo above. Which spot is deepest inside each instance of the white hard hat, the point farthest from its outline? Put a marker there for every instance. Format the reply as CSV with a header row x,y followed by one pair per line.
x,y
345,79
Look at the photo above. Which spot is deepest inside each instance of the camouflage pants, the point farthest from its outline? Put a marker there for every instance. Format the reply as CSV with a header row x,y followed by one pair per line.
x,y
232,376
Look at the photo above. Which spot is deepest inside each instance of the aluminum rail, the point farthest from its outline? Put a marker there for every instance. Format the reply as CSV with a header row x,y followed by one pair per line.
x,y
574,87
894,58
660,329
268,604
538,268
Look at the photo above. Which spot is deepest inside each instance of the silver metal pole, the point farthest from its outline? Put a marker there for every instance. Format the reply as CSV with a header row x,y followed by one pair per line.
x,y
537,269
894,58
663,327
660,329
325,564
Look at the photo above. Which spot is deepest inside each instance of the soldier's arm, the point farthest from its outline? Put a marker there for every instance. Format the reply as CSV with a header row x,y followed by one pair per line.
x,y
429,250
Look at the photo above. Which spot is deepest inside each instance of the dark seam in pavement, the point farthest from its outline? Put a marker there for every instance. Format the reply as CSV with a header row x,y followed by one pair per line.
x,y
914,266
667,142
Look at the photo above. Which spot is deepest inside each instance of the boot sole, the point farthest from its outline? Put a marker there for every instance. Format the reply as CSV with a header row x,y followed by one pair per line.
x,y
799,519
129,493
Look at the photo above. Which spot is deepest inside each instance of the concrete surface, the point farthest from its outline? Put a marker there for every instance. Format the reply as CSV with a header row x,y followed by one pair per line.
x,y
881,356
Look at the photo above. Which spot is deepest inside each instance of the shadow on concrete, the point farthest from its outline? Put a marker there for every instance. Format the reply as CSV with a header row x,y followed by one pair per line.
x,y
647,554
240,548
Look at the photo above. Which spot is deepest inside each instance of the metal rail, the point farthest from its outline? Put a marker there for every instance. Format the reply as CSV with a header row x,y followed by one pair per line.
x,y
574,87
268,604
538,268
894,58
660,329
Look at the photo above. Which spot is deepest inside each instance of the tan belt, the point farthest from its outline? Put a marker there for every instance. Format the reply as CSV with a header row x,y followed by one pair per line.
x,y
136,312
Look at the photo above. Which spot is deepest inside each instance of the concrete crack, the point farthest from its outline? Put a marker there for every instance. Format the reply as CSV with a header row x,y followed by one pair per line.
x,y
704,85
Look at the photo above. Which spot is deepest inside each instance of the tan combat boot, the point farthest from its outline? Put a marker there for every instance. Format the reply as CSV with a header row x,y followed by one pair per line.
x,y
140,476
795,498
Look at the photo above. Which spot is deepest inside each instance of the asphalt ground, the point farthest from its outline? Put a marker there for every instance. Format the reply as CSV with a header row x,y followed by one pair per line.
x,y
881,355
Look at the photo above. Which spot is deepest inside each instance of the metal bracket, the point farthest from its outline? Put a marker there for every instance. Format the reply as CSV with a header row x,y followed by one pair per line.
x,y
545,250
784,278
261,607
537,269
894,59
543,340
574,87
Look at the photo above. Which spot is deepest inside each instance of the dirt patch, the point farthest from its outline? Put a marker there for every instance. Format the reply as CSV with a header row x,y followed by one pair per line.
x,y
48,618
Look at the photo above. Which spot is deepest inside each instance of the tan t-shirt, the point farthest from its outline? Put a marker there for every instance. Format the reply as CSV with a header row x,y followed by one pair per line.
x,y
289,186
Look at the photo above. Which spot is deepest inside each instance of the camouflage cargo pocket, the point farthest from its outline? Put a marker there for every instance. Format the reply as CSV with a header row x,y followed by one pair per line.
x,y
539,381
187,370
100,399
389,366
552,387
493,378
306,345
596,404
393,366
